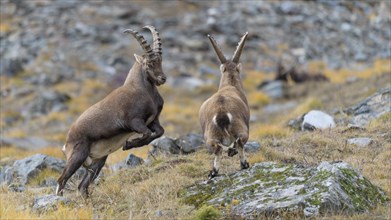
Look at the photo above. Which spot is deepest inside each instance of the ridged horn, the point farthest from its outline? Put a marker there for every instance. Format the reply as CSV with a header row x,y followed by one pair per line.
x,y
146,47
217,50
239,49
157,44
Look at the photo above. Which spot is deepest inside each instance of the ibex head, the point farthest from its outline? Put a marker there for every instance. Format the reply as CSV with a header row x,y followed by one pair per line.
x,y
151,61
229,66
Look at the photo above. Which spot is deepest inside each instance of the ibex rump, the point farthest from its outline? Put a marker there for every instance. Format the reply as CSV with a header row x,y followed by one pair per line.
x,y
225,115
130,110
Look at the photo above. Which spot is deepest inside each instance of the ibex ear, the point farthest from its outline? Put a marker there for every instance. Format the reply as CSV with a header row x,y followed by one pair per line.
x,y
139,59
239,67
222,68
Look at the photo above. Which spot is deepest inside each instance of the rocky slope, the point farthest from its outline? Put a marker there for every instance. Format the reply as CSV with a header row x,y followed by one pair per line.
x,y
270,190
59,57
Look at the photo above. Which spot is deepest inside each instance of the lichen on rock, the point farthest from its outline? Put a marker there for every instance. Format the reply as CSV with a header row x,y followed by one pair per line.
x,y
269,189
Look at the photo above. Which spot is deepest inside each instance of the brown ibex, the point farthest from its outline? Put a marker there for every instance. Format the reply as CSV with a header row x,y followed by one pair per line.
x,y
225,115
130,110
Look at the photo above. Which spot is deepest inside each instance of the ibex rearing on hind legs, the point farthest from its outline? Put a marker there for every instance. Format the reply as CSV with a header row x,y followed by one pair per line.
x,y
225,115
131,109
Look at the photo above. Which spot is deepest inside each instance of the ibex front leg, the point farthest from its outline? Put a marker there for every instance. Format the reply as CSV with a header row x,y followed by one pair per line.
x,y
150,133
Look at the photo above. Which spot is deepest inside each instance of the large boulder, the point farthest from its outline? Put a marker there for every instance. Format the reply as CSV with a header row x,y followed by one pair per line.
x,y
271,189
189,143
22,171
166,144
370,108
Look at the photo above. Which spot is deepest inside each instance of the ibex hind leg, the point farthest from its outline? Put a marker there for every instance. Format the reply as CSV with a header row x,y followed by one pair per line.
x,y
79,155
239,143
217,150
91,174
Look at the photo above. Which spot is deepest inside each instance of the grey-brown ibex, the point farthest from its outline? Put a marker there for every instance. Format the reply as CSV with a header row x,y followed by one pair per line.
x,y
225,115
129,111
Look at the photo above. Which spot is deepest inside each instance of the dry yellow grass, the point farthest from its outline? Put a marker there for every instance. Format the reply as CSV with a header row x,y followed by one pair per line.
x,y
379,67
259,131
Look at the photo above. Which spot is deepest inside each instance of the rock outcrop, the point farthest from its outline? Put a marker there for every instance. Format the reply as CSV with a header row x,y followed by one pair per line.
x,y
22,171
371,108
271,189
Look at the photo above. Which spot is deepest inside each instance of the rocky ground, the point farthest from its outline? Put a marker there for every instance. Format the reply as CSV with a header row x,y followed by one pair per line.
x,y
60,57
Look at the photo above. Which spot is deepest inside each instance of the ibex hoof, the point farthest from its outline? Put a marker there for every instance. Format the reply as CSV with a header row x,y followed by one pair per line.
x,y
213,173
244,165
58,190
232,152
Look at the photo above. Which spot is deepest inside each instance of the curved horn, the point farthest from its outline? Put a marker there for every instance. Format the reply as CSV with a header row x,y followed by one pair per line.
x,y
146,47
217,50
157,44
239,49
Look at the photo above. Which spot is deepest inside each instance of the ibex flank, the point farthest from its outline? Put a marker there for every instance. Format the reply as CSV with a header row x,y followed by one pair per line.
x,y
127,117
225,115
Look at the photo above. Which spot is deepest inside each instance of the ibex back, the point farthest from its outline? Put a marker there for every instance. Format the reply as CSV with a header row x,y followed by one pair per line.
x,y
225,115
129,111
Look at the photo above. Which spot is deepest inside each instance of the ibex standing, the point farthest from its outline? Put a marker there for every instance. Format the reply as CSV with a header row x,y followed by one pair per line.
x,y
225,115
131,109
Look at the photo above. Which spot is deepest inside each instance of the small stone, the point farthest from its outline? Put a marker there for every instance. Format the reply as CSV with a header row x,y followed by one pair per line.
x,y
133,161
48,202
360,142
252,146
159,213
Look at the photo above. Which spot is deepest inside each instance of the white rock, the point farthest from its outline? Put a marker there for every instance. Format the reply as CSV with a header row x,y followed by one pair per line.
x,y
317,120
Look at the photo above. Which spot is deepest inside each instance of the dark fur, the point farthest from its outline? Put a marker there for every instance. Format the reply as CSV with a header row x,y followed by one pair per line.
x,y
123,111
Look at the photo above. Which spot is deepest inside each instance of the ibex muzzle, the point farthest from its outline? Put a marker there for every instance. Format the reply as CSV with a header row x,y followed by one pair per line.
x,y
224,117
128,117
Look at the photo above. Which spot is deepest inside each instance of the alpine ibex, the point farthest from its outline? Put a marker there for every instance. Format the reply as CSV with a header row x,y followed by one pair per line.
x,y
130,110
225,115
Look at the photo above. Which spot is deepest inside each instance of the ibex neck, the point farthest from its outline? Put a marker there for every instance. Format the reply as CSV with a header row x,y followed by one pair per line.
x,y
231,80
136,76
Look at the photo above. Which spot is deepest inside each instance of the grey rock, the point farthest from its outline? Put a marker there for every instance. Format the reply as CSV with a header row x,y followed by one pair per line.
x,y
48,202
371,108
11,67
27,168
277,108
252,146
166,144
296,122
269,189
6,175
360,142
133,161
159,213
189,143
315,119
274,89
130,162
46,102
28,143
